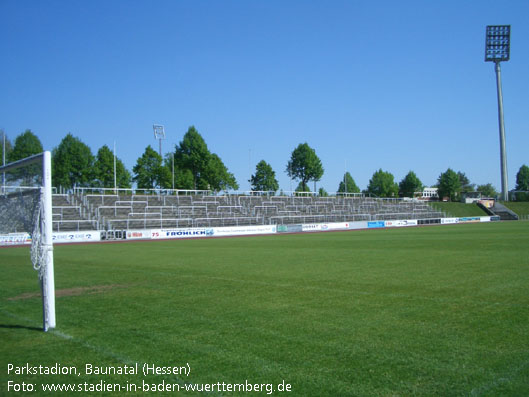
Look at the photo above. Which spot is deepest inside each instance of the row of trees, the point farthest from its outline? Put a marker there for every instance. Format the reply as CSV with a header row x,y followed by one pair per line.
x,y
193,166
190,166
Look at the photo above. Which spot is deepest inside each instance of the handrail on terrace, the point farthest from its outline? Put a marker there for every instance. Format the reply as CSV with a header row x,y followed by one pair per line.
x,y
202,192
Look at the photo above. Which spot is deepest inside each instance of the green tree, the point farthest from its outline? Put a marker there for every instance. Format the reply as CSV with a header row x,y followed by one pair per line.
x,y
487,190
322,192
72,163
183,178
522,178
382,184
522,183
304,165
149,172
466,186
104,170
449,185
193,154
26,144
409,185
264,178
302,188
217,176
206,168
348,184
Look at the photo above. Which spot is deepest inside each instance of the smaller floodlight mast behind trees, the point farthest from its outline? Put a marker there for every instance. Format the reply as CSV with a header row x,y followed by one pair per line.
x,y
159,133
497,49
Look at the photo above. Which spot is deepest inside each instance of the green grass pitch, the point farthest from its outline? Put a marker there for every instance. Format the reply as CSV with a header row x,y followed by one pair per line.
x,y
425,311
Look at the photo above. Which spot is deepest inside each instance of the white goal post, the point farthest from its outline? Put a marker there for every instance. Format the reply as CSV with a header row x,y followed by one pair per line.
x,y
26,207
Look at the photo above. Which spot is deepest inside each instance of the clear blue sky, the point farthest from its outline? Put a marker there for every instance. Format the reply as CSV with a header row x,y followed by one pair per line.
x,y
397,85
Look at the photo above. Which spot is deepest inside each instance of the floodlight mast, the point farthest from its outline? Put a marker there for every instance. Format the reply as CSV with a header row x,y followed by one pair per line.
x,y
497,49
159,133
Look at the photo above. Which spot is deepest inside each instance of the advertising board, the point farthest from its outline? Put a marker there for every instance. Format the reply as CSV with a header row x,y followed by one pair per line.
x,y
15,239
179,233
76,237
139,234
241,230
211,232
58,237
401,223
470,219
311,227
357,225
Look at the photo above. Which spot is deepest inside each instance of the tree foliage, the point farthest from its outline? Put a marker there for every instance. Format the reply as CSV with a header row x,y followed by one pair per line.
x,y
217,176
409,185
73,163
322,192
149,172
304,165
522,178
26,144
487,190
264,178
522,183
193,154
302,188
466,186
104,170
206,168
449,185
183,178
382,184
348,184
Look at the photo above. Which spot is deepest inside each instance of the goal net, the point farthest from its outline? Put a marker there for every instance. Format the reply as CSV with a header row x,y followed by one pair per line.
x,y
26,218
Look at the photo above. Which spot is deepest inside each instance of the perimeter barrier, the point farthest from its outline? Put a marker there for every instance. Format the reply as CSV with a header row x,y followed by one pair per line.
x,y
230,231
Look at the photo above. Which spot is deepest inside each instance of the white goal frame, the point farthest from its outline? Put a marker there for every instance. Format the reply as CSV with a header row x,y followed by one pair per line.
x,y
43,243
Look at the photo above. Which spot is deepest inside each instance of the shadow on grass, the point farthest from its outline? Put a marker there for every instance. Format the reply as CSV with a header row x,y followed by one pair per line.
x,y
10,326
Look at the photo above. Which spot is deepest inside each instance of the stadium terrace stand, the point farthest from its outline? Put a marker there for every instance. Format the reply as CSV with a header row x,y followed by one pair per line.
x,y
86,210
68,216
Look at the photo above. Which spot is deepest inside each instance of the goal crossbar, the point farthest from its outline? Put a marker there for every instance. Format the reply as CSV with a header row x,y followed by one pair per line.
x,y
23,162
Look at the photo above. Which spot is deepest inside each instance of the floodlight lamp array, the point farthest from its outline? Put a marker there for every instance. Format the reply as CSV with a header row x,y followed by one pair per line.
x,y
497,43
159,131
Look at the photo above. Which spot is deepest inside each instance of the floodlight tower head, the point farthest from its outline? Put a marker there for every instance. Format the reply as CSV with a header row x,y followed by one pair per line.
x,y
159,133
498,43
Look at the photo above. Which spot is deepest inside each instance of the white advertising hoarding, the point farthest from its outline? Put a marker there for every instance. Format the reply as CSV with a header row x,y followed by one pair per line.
x,y
312,227
76,237
15,239
401,223
58,237
178,233
138,234
212,232
241,230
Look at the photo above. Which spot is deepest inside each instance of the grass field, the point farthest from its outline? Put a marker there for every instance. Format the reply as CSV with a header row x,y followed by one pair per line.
x,y
454,209
440,310
519,207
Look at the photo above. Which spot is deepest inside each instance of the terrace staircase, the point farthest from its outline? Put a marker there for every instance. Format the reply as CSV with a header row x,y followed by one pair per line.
x,y
503,212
